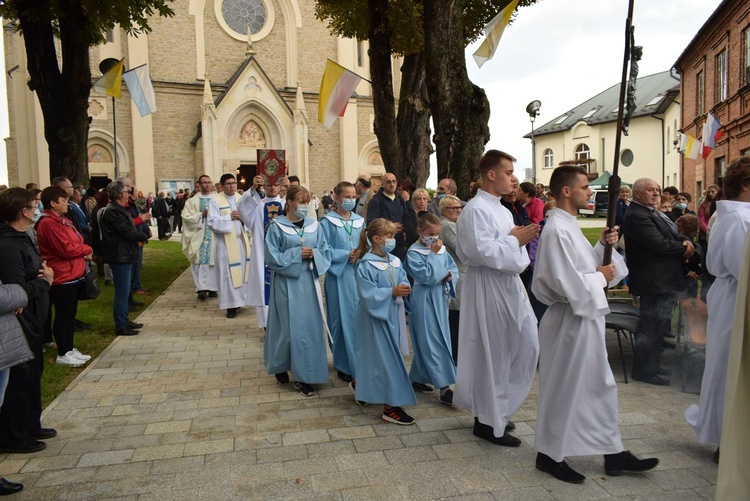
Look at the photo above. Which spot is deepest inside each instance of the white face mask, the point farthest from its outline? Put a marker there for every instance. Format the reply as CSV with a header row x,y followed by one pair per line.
x,y
429,241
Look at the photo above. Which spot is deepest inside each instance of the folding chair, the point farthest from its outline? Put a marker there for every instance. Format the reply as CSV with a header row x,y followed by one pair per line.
x,y
622,323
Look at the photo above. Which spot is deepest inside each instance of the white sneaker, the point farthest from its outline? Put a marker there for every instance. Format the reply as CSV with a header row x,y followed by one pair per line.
x,y
80,356
70,360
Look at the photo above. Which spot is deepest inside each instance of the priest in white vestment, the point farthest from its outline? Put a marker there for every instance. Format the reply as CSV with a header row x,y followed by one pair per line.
x,y
198,242
577,412
259,212
498,345
232,248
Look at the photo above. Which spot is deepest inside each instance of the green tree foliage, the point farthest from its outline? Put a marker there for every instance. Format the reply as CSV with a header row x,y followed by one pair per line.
x,y
62,81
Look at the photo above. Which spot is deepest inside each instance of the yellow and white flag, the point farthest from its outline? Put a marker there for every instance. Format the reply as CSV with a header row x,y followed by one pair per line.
x,y
494,31
111,82
690,146
336,88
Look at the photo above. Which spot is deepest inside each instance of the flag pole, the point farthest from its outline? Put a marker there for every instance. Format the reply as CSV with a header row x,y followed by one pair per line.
x,y
114,134
614,180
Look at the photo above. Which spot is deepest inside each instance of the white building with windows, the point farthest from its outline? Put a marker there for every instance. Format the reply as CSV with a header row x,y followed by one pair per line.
x,y
218,98
587,133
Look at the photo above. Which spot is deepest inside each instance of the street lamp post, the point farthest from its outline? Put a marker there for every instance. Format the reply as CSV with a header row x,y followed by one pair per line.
x,y
533,110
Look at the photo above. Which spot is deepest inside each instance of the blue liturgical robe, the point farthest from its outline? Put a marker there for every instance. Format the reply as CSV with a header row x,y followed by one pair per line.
x,y
381,373
428,323
295,337
342,237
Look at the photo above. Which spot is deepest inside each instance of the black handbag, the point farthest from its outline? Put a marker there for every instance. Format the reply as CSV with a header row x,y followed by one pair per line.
x,y
90,288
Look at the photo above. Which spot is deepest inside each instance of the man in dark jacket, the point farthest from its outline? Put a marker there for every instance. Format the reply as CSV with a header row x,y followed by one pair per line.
x,y
655,256
386,203
161,211
120,241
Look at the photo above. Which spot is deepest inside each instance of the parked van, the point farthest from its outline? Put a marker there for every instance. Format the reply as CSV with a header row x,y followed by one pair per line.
x,y
597,205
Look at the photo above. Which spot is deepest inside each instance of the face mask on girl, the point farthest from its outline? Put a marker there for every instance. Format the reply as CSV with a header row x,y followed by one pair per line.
x,y
429,241
389,245
37,214
680,206
301,211
348,204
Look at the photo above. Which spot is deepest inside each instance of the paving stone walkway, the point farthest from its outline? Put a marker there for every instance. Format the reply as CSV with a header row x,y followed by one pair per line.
x,y
186,411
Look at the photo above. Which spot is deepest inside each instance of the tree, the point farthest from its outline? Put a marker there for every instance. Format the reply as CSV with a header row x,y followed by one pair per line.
x,y
434,81
63,92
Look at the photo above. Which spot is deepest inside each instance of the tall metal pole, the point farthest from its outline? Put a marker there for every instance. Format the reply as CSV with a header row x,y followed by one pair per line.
x,y
114,133
614,180
533,154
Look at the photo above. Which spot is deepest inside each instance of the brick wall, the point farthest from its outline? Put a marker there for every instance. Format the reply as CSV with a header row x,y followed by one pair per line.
x,y
724,31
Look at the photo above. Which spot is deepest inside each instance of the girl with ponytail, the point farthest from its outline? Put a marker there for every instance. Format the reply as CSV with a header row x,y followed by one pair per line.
x,y
381,338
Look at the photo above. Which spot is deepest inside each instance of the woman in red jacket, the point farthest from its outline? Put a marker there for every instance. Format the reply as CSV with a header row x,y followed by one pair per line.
x,y
61,245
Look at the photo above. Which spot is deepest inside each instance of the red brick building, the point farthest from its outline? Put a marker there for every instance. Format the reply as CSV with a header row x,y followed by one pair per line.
x,y
715,78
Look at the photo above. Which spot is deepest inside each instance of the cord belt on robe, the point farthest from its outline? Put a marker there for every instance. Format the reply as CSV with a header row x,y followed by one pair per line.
x,y
233,245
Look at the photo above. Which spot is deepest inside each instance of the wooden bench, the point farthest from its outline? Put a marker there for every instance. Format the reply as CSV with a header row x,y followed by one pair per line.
x,y
692,325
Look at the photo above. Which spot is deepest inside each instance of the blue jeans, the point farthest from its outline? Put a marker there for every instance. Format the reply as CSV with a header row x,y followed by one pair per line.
x,y
122,275
3,383
136,280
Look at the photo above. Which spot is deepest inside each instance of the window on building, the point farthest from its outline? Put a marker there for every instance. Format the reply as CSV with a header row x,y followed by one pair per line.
x,y
110,36
561,119
583,152
590,112
720,165
361,53
722,74
626,157
549,159
655,101
699,191
746,54
745,152
700,93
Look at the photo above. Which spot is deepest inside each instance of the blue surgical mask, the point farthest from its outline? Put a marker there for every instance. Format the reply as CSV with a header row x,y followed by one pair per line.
x,y
440,196
37,214
348,204
301,211
390,244
83,191
680,206
429,241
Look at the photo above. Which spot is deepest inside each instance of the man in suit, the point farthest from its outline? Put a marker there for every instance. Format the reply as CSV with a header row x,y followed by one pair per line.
x,y
388,204
80,218
161,211
655,256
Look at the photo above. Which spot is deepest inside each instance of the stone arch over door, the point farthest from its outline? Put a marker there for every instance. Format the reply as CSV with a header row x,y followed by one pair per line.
x,y
251,127
100,150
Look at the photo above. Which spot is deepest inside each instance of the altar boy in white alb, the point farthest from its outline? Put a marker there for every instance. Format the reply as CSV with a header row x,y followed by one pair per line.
x,y
497,342
232,248
198,242
577,411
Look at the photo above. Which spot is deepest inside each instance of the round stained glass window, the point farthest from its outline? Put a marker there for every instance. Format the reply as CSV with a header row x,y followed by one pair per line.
x,y
243,14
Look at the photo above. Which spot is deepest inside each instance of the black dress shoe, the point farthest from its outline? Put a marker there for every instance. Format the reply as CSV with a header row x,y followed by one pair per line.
x,y
560,471
26,447
655,380
125,331
422,388
202,295
510,426
486,432
135,303
134,325
626,462
716,456
213,294
344,377
663,372
232,312
81,325
7,487
282,377
43,433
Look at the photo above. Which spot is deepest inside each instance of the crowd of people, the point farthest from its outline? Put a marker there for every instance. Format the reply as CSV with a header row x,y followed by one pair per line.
x,y
492,288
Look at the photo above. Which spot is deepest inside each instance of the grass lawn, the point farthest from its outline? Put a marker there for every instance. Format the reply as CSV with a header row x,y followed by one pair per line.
x,y
163,262
592,234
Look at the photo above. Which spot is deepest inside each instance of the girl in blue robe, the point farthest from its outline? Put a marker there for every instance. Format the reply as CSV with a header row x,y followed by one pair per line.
x,y
297,254
341,228
381,337
435,276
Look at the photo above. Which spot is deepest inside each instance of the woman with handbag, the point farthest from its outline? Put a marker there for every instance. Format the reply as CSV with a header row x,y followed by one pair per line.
x,y
62,246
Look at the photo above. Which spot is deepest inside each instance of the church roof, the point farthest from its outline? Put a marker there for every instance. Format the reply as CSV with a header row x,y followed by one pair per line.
x,y
654,94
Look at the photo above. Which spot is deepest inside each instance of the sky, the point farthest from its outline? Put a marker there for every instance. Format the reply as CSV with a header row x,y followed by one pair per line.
x,y
561,52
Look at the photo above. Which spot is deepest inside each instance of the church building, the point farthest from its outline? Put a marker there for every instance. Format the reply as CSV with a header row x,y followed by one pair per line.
x,y
220,95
